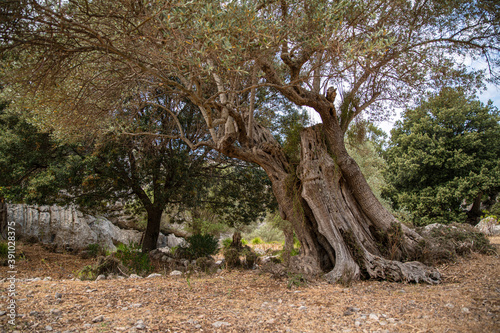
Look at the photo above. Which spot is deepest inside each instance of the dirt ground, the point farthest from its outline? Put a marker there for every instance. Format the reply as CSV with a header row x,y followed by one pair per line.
x,y
468,300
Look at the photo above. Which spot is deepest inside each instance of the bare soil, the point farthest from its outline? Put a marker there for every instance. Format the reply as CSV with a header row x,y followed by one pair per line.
x,y
468,300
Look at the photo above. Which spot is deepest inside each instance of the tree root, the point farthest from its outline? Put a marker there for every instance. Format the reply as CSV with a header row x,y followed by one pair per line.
x,y
391,270
344,273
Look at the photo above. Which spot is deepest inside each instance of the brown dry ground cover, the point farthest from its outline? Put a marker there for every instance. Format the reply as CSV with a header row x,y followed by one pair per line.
x,y
468,300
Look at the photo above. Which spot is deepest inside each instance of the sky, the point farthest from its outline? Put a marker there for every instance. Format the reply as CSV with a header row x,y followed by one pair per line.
x,y
492,93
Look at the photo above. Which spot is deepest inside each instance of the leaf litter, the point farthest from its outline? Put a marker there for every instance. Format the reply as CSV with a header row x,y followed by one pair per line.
x,y
468,300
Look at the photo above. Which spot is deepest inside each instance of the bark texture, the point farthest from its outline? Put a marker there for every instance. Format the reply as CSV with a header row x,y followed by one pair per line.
x,y
361,243
343,230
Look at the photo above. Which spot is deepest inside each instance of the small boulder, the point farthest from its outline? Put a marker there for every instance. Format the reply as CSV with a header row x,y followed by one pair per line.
x,y
154,275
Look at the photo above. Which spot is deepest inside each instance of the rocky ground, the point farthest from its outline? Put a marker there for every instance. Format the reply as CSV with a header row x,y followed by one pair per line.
x,y
47,299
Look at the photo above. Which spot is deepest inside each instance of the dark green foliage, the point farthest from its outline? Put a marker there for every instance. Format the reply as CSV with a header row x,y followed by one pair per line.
x,y
226,243
202,246
445,243
94,250
132,258
4,250
237,194
31,160
443,153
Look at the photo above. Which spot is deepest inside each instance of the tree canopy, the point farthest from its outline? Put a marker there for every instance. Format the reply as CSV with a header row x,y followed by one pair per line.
x,y
29,160
153,170
74,64
444,155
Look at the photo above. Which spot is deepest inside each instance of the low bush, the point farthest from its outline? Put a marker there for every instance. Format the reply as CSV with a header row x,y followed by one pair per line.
x,y
94,250
132,258
232,257
296,280
202,246
226,243
257,240
105,266
444,243
87,273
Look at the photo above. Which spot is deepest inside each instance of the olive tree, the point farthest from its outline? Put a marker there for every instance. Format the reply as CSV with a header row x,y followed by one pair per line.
x,y
76,62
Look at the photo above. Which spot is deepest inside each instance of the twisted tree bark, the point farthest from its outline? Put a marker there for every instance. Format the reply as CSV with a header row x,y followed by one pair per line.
x,y
363,246
343,230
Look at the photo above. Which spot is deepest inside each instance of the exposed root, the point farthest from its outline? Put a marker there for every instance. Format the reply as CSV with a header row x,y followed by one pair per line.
x,y
391,270
344,273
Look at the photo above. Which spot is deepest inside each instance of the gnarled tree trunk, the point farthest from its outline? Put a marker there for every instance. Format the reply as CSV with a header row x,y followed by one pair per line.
x,y
361,244
343,230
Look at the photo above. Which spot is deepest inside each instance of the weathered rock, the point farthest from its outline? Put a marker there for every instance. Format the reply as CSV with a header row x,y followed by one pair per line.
x,y
489,226
154,275
67,227
140,325
175,273
98,319
173,241
55,312
219,324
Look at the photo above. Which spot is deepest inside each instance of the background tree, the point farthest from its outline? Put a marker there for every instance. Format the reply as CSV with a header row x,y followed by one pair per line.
x,y
366,143
82,55
153,169
444,156
29,159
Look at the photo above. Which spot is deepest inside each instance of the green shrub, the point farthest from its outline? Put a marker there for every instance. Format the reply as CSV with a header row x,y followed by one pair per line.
x,y
94,250
257,240
227,243
244,241
4,250
86,273
202,246
132,258
250,259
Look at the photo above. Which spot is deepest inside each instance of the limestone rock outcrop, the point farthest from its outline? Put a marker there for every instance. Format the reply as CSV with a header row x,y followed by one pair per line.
x,y
67,227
